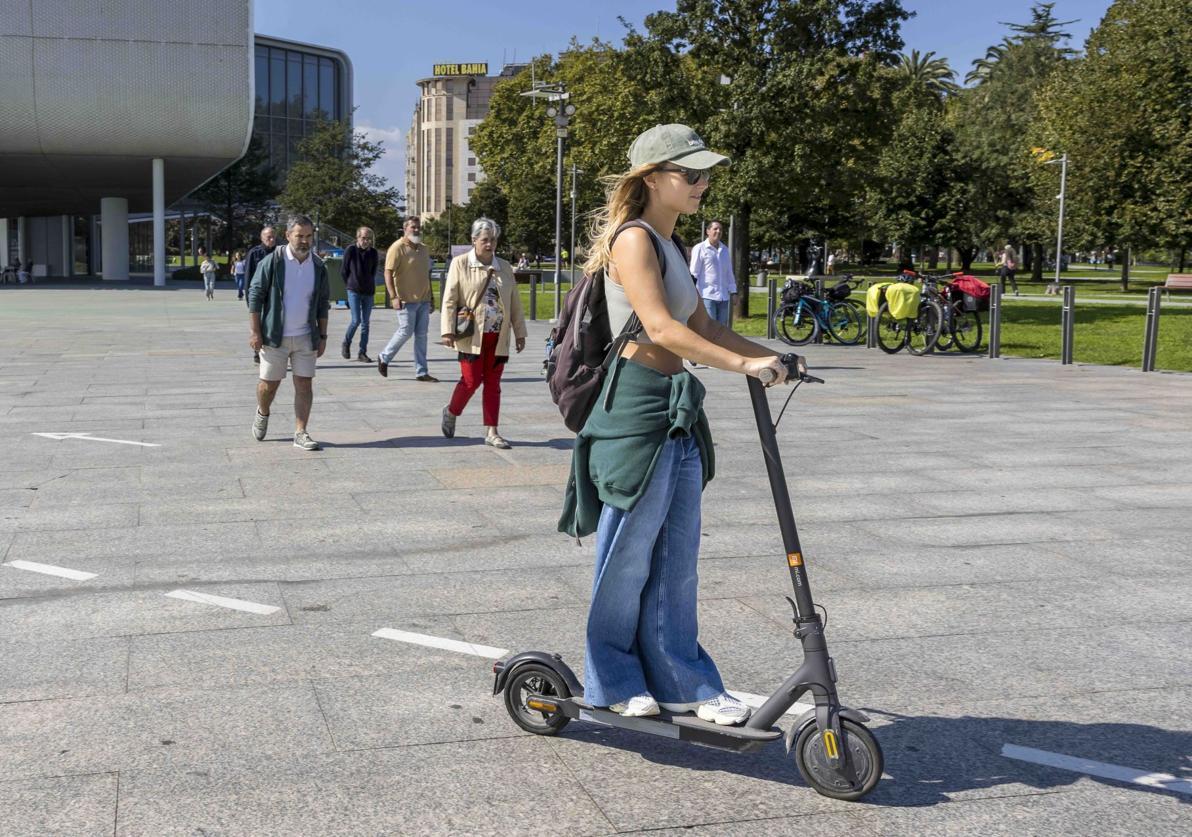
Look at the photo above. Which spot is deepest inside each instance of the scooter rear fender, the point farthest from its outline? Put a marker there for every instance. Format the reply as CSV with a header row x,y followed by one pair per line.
x,y
503,668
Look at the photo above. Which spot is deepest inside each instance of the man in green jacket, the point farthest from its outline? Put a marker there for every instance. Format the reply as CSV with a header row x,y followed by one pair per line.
x,y
288,300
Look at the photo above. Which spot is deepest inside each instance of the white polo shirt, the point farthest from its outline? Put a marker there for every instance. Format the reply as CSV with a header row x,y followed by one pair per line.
x,y
300,287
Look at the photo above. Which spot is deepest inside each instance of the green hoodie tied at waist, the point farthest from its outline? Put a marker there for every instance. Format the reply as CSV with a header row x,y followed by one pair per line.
x,y
617,450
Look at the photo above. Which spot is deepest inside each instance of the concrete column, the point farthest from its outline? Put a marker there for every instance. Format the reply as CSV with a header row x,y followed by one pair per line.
x,y
95,248
67,246
22,235
3,243
182,239
159,222
114,218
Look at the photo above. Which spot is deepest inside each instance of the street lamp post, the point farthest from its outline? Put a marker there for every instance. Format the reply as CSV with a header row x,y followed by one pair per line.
x,y
561,111
1059,236
575,172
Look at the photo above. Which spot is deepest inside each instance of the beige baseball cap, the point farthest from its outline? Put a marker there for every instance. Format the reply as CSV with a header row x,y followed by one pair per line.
x,y
676,144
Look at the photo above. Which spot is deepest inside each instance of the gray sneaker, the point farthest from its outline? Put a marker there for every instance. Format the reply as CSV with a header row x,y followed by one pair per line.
x,y
260,424
448,425
302,440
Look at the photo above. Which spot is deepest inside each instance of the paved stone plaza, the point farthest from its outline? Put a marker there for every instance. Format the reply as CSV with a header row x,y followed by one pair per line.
x,y
1004,549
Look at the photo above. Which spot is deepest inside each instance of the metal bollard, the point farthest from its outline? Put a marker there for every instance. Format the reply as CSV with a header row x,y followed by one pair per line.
x,y
1067,318
819,294
533,297
1150,342
995,321
771,307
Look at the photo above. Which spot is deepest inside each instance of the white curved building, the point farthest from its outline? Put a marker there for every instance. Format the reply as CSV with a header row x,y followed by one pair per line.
x,y
119,106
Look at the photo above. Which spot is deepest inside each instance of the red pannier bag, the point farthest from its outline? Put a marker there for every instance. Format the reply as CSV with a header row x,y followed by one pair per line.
x,y
975,292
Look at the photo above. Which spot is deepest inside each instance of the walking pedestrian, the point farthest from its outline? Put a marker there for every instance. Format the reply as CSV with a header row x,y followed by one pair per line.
x,y
642,459
712,267
481,282
1007,264
255,255
208,268
239,270
359,274
288,300
407,278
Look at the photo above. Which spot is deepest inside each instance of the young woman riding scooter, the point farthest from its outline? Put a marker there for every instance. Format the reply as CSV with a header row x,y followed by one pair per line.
x,y
645,454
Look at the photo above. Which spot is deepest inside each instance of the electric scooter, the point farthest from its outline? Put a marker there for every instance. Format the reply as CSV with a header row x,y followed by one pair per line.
x,y
834,751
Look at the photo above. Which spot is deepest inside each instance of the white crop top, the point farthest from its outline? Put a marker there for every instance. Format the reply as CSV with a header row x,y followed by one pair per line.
x,y
681,295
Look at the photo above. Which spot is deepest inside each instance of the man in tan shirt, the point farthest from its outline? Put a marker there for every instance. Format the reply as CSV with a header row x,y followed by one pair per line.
x,y
407,278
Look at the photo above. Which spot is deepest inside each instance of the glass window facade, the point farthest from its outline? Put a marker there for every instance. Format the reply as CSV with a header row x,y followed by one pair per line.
x,y
293,90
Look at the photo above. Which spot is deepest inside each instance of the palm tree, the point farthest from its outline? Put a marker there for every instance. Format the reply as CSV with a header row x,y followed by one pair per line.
x,y
929,72
983,67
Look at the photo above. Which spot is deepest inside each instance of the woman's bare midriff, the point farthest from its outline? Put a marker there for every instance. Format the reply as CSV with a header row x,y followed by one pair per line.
x,y
655,357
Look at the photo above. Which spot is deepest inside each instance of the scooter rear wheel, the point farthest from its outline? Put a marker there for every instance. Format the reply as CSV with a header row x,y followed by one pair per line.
x,y
864,754
534,679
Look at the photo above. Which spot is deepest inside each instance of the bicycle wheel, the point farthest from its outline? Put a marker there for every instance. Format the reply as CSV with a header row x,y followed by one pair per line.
x,y
797,324
966,328
946,338
845,325
924,329
891,333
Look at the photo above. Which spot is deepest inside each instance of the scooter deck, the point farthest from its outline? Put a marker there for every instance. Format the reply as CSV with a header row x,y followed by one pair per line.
x,y
681,726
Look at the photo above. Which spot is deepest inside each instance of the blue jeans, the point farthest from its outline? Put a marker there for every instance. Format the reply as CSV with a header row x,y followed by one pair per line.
x,y
717,309
239,285
413,318
642,623
361,306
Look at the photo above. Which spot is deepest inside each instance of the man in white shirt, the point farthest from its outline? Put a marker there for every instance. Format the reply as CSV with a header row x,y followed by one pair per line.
x,y
288,302
712,267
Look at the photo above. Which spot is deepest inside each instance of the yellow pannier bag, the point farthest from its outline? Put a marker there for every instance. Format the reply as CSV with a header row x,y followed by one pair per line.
x,y
903,299
875,296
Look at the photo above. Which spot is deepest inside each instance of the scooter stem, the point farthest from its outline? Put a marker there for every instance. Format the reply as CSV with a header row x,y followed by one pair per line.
x,y
804,606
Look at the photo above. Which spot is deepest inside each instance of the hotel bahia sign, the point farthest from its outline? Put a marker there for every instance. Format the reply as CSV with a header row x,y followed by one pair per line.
x,y
461,70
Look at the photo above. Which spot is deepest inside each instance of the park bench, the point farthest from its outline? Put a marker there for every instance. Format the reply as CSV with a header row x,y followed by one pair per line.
x,y
1177,282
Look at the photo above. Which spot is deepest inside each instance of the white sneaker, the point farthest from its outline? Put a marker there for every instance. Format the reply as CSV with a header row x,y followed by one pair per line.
x,y
680,708
723,709
636,707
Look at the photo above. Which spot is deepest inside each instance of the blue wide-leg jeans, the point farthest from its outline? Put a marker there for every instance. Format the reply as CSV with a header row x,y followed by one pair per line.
x,y
642,624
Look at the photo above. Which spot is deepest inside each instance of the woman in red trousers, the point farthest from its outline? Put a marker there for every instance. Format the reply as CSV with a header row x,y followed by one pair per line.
x,y
481,281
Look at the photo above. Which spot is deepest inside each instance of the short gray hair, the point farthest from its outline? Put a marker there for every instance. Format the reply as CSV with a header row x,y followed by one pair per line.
x,y
484,225
298,220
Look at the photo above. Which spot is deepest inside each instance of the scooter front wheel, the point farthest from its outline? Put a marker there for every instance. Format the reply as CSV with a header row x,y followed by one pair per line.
x,y
527,681
864,754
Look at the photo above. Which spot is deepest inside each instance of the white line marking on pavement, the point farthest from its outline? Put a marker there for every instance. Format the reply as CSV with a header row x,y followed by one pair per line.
x,y
496,653
50,569
1162,781
443,643
87,437
220,601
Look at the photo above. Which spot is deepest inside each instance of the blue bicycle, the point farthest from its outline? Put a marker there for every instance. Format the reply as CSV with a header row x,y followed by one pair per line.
x,y
801,316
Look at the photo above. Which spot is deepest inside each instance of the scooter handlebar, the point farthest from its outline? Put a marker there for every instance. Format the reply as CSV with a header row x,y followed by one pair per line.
x,y
796,369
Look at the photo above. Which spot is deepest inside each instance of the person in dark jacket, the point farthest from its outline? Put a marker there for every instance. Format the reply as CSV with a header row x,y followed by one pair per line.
x,y
255,256
359,274
288,301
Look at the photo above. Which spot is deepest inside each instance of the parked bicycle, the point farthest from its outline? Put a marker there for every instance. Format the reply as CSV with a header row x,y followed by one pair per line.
x,y
960,324
917,333
802,316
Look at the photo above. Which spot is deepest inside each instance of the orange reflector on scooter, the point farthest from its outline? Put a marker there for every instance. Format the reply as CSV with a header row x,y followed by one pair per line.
x,y
795,559
542,705
830,744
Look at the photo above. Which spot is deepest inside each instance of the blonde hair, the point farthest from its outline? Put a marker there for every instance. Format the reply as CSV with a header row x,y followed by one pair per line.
x,y
627,197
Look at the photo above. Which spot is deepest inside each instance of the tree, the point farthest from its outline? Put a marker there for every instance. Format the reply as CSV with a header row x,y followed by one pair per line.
x,y
928,73
334,179
1122,115
240,194
992,122
801,114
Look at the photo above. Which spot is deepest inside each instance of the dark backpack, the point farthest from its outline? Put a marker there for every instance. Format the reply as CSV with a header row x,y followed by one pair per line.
x,y
582,345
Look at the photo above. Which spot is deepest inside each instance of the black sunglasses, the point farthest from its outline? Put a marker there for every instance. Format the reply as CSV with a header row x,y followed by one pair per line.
x,y
692,176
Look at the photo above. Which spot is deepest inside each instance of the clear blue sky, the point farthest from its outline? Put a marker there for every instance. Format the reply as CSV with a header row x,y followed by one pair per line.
x,y
392,44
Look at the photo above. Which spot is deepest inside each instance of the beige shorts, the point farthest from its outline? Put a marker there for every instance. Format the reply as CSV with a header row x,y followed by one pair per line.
x,y
294,352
